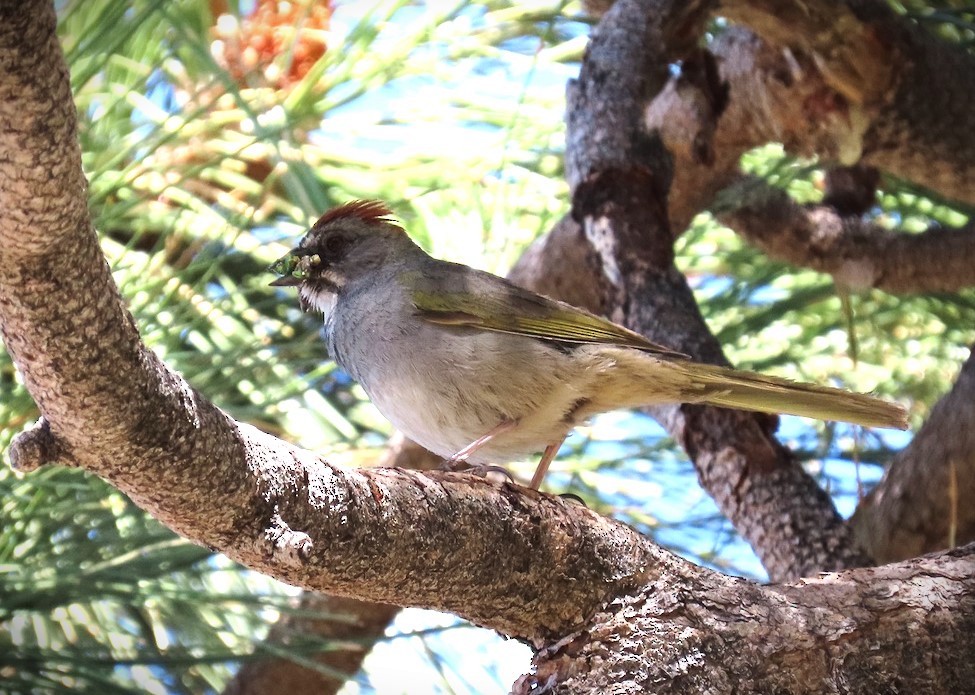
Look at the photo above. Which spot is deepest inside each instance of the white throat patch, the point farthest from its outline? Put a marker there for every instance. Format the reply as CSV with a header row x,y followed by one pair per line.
x,y
317,297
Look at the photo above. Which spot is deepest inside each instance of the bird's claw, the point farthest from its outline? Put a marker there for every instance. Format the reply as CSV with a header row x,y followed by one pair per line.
x,y
481,470
573,497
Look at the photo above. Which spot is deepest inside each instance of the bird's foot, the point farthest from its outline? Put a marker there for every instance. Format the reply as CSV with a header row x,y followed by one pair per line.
x,y
481,470
457,462
461,456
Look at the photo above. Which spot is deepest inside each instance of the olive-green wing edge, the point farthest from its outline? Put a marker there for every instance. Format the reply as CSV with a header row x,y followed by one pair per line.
x,y
522,312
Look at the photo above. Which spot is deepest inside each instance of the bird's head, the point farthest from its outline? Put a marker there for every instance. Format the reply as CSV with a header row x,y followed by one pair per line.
x,y
346,243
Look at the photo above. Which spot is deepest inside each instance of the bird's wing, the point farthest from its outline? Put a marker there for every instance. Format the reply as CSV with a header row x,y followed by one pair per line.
x,y
460,296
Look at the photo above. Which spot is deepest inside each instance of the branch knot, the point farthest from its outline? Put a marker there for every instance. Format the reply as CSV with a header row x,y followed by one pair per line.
x,y
285,545
36,447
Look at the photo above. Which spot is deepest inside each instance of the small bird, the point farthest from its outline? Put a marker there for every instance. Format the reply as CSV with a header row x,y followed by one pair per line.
x,y
479,370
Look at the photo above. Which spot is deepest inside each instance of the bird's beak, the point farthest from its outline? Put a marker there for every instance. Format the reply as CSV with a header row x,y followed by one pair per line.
x,y
285,281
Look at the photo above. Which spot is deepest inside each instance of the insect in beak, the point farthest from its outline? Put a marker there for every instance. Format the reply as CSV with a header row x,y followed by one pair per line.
x,y
293,268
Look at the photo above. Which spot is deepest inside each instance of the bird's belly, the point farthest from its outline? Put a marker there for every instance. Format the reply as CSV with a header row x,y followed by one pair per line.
x,y
463,387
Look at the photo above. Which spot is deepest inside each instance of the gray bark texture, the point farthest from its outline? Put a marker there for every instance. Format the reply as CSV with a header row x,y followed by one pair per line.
x,y
903,628
350,626
858,254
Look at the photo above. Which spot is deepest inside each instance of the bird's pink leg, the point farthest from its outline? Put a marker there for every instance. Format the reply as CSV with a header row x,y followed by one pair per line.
x,y
461,456
505,426
547,457
467,451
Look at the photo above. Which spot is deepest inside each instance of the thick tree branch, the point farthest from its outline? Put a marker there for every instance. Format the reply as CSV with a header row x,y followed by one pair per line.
x,y
770,94
858,254
855,61
619,178
528,566
349,627
923,502
906,628
524,564
836,82
904,91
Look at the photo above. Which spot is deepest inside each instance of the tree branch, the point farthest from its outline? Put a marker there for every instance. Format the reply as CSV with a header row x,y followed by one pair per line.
x,y
858,254
903,91
769,92
618,175
899,628
348,626
923,502
522,563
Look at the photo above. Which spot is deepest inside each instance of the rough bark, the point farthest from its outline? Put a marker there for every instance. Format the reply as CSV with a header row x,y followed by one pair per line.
x,y
839,82
906,91
770,93
842,81
618,175
858,254
845,39
525,564
924,501
906,628
349,627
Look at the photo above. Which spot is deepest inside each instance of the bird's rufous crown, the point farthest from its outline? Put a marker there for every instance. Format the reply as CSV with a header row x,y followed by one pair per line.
x,y
365,210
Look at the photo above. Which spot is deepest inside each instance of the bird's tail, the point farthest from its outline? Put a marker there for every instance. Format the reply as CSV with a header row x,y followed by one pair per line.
x,y
693,382
731,388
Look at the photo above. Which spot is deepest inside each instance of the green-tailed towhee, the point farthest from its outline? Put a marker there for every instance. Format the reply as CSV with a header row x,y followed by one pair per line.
x,y
477,369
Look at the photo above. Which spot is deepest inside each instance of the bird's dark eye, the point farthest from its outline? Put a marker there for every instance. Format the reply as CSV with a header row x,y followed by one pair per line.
x,y
335,246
